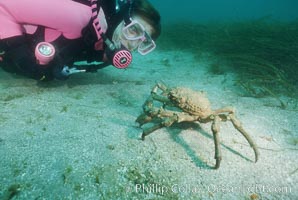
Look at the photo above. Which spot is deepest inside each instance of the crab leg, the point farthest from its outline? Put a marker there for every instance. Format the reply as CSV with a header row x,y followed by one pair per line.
x,y
215,131
161,86
224,110
165,123
149,112
143,119
151,129
237,124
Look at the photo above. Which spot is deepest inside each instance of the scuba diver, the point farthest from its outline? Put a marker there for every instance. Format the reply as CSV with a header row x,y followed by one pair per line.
x,y
44,39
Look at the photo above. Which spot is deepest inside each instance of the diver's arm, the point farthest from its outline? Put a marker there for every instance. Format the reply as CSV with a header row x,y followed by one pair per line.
x,y
65,16
18,53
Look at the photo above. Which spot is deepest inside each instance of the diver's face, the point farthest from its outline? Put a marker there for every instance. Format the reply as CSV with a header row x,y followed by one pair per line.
x,y
131,44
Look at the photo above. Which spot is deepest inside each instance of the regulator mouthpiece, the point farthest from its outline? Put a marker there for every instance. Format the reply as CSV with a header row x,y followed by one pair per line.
x,y
121,58
44,52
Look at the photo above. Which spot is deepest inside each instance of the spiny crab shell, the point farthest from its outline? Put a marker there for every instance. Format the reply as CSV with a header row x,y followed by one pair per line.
x,y
190,101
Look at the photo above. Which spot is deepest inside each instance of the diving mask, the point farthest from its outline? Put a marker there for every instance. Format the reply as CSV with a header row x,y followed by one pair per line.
x,y
137,35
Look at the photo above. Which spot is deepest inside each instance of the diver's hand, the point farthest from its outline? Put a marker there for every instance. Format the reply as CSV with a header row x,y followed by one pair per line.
x,y
65,72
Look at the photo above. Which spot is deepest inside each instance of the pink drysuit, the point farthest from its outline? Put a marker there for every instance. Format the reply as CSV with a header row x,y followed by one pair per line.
x,y
59,18
64,17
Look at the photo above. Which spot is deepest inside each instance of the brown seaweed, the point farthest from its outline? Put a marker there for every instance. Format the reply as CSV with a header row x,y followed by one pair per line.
x,y
263,53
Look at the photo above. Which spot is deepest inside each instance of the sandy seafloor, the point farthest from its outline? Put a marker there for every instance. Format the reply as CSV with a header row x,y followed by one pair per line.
x,y
78,139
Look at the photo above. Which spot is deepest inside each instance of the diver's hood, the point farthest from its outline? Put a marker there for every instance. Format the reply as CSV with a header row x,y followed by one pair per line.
x,y
115,12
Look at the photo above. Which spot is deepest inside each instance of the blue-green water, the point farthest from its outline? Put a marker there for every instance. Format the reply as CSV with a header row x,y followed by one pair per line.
x,y
206,10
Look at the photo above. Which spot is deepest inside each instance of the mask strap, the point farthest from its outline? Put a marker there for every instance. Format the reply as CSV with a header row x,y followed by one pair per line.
x,y
127,18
